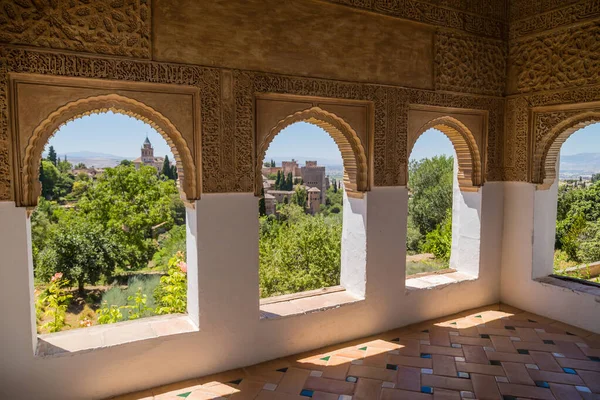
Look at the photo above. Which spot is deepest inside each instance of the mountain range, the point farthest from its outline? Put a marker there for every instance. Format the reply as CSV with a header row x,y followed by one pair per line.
x,y
582,164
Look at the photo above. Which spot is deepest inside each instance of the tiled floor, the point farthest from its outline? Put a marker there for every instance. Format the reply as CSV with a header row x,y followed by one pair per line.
x,y
497,352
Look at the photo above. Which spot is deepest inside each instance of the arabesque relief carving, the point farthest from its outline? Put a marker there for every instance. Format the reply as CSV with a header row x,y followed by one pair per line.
x,y
115,27
530,17
555,60
465,63
227,112
486,18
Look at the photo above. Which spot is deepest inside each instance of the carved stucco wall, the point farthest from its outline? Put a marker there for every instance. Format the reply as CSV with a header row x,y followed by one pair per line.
x,y
469,58
119,27
554,60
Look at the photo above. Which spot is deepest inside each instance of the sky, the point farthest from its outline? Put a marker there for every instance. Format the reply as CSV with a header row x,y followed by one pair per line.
x,y
122,136
585,140
108,133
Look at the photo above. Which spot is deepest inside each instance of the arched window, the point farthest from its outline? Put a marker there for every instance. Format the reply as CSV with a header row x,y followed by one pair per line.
x,y
313,174
109,231
570,245
444,224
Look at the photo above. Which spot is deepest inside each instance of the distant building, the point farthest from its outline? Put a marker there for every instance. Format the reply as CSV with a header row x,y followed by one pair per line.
x,y
314,200
270,204
313,176
148,158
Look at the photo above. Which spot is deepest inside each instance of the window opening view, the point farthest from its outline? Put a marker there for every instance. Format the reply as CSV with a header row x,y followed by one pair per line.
x,y
300,212
108,235
577,244
431,176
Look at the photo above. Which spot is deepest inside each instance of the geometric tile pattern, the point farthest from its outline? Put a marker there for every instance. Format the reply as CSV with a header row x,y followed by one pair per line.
x,y
496,352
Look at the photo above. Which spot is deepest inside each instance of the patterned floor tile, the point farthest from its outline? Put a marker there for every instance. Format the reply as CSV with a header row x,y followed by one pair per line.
x,y
496,352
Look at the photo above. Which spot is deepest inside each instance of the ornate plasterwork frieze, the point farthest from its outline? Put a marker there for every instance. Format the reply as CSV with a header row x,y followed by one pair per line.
x,y
427,12
572,12
115,27
555,60
520,9
227,112
467,63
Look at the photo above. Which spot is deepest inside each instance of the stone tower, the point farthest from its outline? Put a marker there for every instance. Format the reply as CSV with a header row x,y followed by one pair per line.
x,y
314,200
147,152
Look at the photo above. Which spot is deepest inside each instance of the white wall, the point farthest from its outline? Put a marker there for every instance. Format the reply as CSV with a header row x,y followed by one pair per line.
x,y
231,333
354,245
528,219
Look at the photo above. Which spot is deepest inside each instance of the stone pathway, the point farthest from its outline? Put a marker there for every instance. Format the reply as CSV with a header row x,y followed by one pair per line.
x,y
497,352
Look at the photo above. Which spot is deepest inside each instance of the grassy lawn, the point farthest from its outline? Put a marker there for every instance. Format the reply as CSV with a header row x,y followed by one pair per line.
x,y
419,263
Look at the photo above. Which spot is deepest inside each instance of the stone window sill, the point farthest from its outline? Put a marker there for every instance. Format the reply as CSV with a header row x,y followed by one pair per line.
x,y
573,285
424,282
103,336
305,302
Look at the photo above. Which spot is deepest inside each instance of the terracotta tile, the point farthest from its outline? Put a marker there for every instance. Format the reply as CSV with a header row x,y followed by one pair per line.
x,y
408,378
397,394
249,389
271,395
376,357
337,368
550,348
410,361
382,374
447,351
367,389
494,331
485,369
589,351
293,380
475,341
442,394
475,354
325,396
329,385
532,392
570,350
590,396
592,379
579,364
439,337
409,347
564,392
485,387
469,332
444,365
559,337
520,358
528,335
503,343
556,377
446,383
517,373
220,388
545,361
352,354
571,329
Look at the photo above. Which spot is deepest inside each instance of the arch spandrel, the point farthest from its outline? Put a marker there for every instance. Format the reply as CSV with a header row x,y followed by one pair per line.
x,y
30,188
354,156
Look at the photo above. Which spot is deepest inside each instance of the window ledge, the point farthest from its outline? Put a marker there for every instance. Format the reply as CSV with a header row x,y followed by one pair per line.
x,y
103,336
306,302
572,284
437,281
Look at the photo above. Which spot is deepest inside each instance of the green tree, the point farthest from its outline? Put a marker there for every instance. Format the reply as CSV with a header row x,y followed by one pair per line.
x,y
126,163
278,181
299,252
262,208
80,166
129,202
49,177
300,197
289,182
430,185
167,171
52,156
595,178
174,173
439,241
80,249
64,166
272,163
